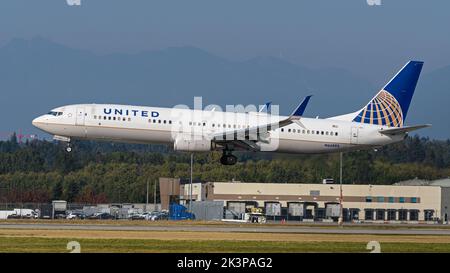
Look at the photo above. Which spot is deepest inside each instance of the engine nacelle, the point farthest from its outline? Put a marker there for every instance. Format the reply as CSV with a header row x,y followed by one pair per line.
x,y
189,144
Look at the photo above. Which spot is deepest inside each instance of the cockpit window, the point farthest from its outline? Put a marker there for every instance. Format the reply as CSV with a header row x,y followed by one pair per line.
x,y
53,113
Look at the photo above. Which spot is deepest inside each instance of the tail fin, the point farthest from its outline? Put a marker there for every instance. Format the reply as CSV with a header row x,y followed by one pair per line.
x,y
390,106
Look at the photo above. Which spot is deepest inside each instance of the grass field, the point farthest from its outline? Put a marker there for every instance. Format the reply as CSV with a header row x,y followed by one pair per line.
x,y
41,240
38,244
220,223
98,240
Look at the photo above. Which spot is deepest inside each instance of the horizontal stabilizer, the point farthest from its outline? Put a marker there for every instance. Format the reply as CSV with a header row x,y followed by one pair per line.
x,y
402,130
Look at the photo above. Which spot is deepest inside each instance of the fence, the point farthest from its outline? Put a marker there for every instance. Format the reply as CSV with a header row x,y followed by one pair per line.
x,y
120,211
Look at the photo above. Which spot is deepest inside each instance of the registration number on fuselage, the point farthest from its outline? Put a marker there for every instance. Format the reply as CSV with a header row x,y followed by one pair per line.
x,y
331,145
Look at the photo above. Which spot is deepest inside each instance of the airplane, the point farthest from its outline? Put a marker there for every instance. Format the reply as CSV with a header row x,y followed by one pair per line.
x,y
380,122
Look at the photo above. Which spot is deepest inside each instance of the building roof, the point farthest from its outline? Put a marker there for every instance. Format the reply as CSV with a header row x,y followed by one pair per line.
x,y
445,182
441,182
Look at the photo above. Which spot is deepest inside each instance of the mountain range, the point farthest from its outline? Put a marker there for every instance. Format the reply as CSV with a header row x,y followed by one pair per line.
x,y
39,74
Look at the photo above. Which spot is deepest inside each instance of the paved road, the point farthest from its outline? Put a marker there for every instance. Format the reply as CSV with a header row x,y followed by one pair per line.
x,y
231,228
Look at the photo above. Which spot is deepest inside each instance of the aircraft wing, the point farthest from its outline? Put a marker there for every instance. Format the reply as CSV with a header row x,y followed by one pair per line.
x,y
402,130
246,138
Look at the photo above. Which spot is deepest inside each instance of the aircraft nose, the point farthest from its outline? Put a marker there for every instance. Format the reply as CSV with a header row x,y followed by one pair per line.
x,y
37,122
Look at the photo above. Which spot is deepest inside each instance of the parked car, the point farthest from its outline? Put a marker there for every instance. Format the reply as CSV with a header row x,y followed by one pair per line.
x,y
59,216
160,216
148,215
26,213
76,215
19,214
136,216
13,216
101,215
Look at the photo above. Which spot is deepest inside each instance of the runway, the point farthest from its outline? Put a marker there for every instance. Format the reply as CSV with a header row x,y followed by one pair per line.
x,y
231,228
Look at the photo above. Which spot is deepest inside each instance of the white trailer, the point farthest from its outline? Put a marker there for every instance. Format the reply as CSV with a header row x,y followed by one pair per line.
x,y
4,214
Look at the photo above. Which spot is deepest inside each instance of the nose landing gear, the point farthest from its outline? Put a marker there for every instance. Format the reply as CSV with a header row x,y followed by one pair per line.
x,y
64,139
227,158
69,147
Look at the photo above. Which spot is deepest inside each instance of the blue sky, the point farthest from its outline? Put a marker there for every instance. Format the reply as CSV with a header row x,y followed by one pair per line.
x,y
370,40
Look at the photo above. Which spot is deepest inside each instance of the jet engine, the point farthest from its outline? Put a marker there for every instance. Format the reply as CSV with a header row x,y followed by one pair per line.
x,y
192,144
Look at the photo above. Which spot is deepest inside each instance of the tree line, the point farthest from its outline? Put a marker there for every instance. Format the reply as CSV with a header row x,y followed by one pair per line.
x,y
98,172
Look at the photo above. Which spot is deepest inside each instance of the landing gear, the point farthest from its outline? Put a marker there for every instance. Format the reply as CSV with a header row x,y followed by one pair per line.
x,y
69,147
227,158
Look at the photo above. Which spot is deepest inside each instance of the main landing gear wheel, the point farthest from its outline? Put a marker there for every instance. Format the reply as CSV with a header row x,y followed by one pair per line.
x,y
69,148
228,159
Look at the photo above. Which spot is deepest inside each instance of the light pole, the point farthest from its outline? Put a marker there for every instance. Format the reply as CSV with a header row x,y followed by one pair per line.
x,y
154,196
146,202
190,188
341,213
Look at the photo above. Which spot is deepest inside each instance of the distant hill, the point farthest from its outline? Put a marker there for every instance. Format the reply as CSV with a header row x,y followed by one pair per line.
x,y
38,74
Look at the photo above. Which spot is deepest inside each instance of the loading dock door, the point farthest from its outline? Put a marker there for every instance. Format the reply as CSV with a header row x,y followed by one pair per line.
x,y
237,207
273,209
296,209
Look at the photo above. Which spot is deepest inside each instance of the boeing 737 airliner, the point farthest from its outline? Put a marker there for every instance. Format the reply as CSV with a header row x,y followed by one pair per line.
x,y
380,122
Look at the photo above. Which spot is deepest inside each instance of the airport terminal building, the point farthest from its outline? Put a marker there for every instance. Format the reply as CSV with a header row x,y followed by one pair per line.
x,y
318,202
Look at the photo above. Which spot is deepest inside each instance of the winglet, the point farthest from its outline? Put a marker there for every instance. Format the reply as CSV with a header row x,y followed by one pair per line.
x,y
298,112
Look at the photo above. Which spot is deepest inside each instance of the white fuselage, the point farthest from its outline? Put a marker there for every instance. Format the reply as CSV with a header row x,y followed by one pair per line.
x,y
147,125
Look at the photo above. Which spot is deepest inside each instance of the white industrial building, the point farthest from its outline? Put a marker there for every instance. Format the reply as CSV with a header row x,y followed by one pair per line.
x,y
308,202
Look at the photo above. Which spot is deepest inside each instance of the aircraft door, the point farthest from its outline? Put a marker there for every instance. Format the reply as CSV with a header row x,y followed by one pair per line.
x,y
80,116
354,135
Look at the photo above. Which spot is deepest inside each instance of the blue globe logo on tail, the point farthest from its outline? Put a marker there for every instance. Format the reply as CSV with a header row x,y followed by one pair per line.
x,y
384,109
390,106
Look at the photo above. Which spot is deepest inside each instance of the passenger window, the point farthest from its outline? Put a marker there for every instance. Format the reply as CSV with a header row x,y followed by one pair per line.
x,y
129,119
282,129
289,130
170,122
95,117
212,125
336,134
124,119
164,122
303,131
159,121
322,132
114,118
